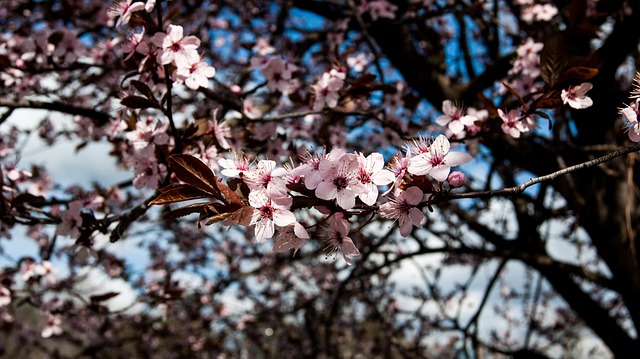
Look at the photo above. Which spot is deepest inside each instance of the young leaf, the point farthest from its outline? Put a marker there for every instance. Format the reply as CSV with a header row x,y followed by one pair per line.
x,y
179,193
143,89
191,170
553,59
139,102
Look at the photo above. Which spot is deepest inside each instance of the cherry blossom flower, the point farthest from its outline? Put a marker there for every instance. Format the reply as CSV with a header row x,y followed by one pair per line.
x,y
148,172
290,237
71,220
339,181
279,74
359,62
235,167
528,60
404,210
176,48
630,115
398,166
146,136
438,161
454,117
124,9
336,237
310,167
250,109
262,47
268,213
512,123
195,76
67,50
220,130
326,90
371,174
538,12
576,96
52,326
266,178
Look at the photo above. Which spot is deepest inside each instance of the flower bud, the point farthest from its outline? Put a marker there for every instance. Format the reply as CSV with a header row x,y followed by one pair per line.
x,y
456,179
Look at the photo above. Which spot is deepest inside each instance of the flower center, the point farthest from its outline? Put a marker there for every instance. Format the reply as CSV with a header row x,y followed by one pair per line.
x,y
266,212
340,183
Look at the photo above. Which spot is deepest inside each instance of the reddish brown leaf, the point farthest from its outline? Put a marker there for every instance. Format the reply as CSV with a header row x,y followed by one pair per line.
x,y
229,196
553,59
180,193
139,102
578,74
241,216
219,217
143,89
191,170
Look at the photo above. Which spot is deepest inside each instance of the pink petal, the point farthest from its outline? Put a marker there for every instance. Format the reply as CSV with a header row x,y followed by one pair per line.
x,y
283,218
457,158
440,173
416,216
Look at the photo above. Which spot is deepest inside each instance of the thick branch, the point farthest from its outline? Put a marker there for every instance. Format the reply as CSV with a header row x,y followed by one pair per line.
x,y
100,117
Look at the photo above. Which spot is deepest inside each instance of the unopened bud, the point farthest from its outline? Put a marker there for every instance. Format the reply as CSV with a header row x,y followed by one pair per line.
x,y
456,179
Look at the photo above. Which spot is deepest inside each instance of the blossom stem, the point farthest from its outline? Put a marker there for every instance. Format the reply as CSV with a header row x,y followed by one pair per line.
x,y
169,83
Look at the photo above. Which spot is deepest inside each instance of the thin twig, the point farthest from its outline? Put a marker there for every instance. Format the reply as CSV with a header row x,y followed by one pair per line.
x,y
520,188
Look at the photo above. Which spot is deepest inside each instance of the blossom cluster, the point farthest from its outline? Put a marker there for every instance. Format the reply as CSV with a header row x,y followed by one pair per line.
x,y
169,48
341,179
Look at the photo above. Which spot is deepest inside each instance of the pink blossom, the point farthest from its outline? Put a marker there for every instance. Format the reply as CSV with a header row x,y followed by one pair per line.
x,y
359,61
135,44
371,174
148,172
71,220
235,167
512,123
454,117
146,136
337,238
538,12
326,90
630,115
220,130
279,74
124,10
174,47
339,181
262,47
404,210
266,178
290,237
195,76
268,213
250,109
438,161
398,166
52,326
310,167
576,96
